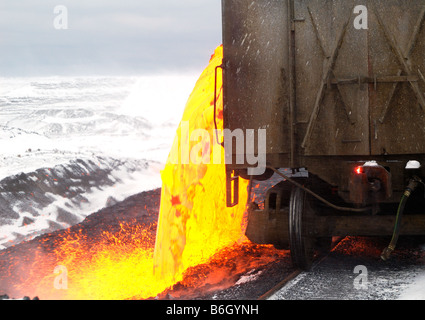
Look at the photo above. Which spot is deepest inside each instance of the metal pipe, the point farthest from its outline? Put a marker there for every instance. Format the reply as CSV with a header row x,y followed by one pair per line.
x,y
346,209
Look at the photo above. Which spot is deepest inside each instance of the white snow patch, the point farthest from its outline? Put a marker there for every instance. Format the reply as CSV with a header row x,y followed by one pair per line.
x,y
413,164
250,276
415,291
48,121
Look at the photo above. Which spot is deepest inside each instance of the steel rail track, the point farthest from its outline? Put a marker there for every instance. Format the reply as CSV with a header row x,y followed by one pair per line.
x,y
280,285
291,277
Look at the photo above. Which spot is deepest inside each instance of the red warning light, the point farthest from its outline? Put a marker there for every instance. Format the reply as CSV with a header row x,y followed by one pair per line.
x,y
358,170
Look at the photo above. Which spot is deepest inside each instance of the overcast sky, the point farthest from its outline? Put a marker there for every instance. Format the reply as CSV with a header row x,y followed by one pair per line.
x,y
107,37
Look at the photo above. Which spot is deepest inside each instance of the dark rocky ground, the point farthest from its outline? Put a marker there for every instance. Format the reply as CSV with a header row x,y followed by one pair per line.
x,y
249,272
246,272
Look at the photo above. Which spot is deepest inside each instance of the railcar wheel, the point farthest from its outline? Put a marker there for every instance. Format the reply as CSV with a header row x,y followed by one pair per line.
x,y
302,245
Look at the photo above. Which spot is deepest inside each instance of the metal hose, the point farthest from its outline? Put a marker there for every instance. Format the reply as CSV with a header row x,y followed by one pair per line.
x,y
413,184
326,202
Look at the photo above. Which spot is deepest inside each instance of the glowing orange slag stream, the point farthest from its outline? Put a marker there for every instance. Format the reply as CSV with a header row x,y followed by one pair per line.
x,y
194,223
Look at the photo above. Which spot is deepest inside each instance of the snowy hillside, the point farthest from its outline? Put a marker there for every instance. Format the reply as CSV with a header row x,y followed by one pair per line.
x,y
72,145
53,198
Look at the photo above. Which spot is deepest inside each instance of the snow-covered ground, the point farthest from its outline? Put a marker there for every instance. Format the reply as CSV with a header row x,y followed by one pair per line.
x,y
354,271
116,132
415,291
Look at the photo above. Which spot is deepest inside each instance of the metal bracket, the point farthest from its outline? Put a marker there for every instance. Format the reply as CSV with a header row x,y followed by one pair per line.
x,y
375,80
232,189
278,193
215,102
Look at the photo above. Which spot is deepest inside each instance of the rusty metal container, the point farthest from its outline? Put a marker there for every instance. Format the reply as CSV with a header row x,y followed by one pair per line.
x,y
334,82
339,87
